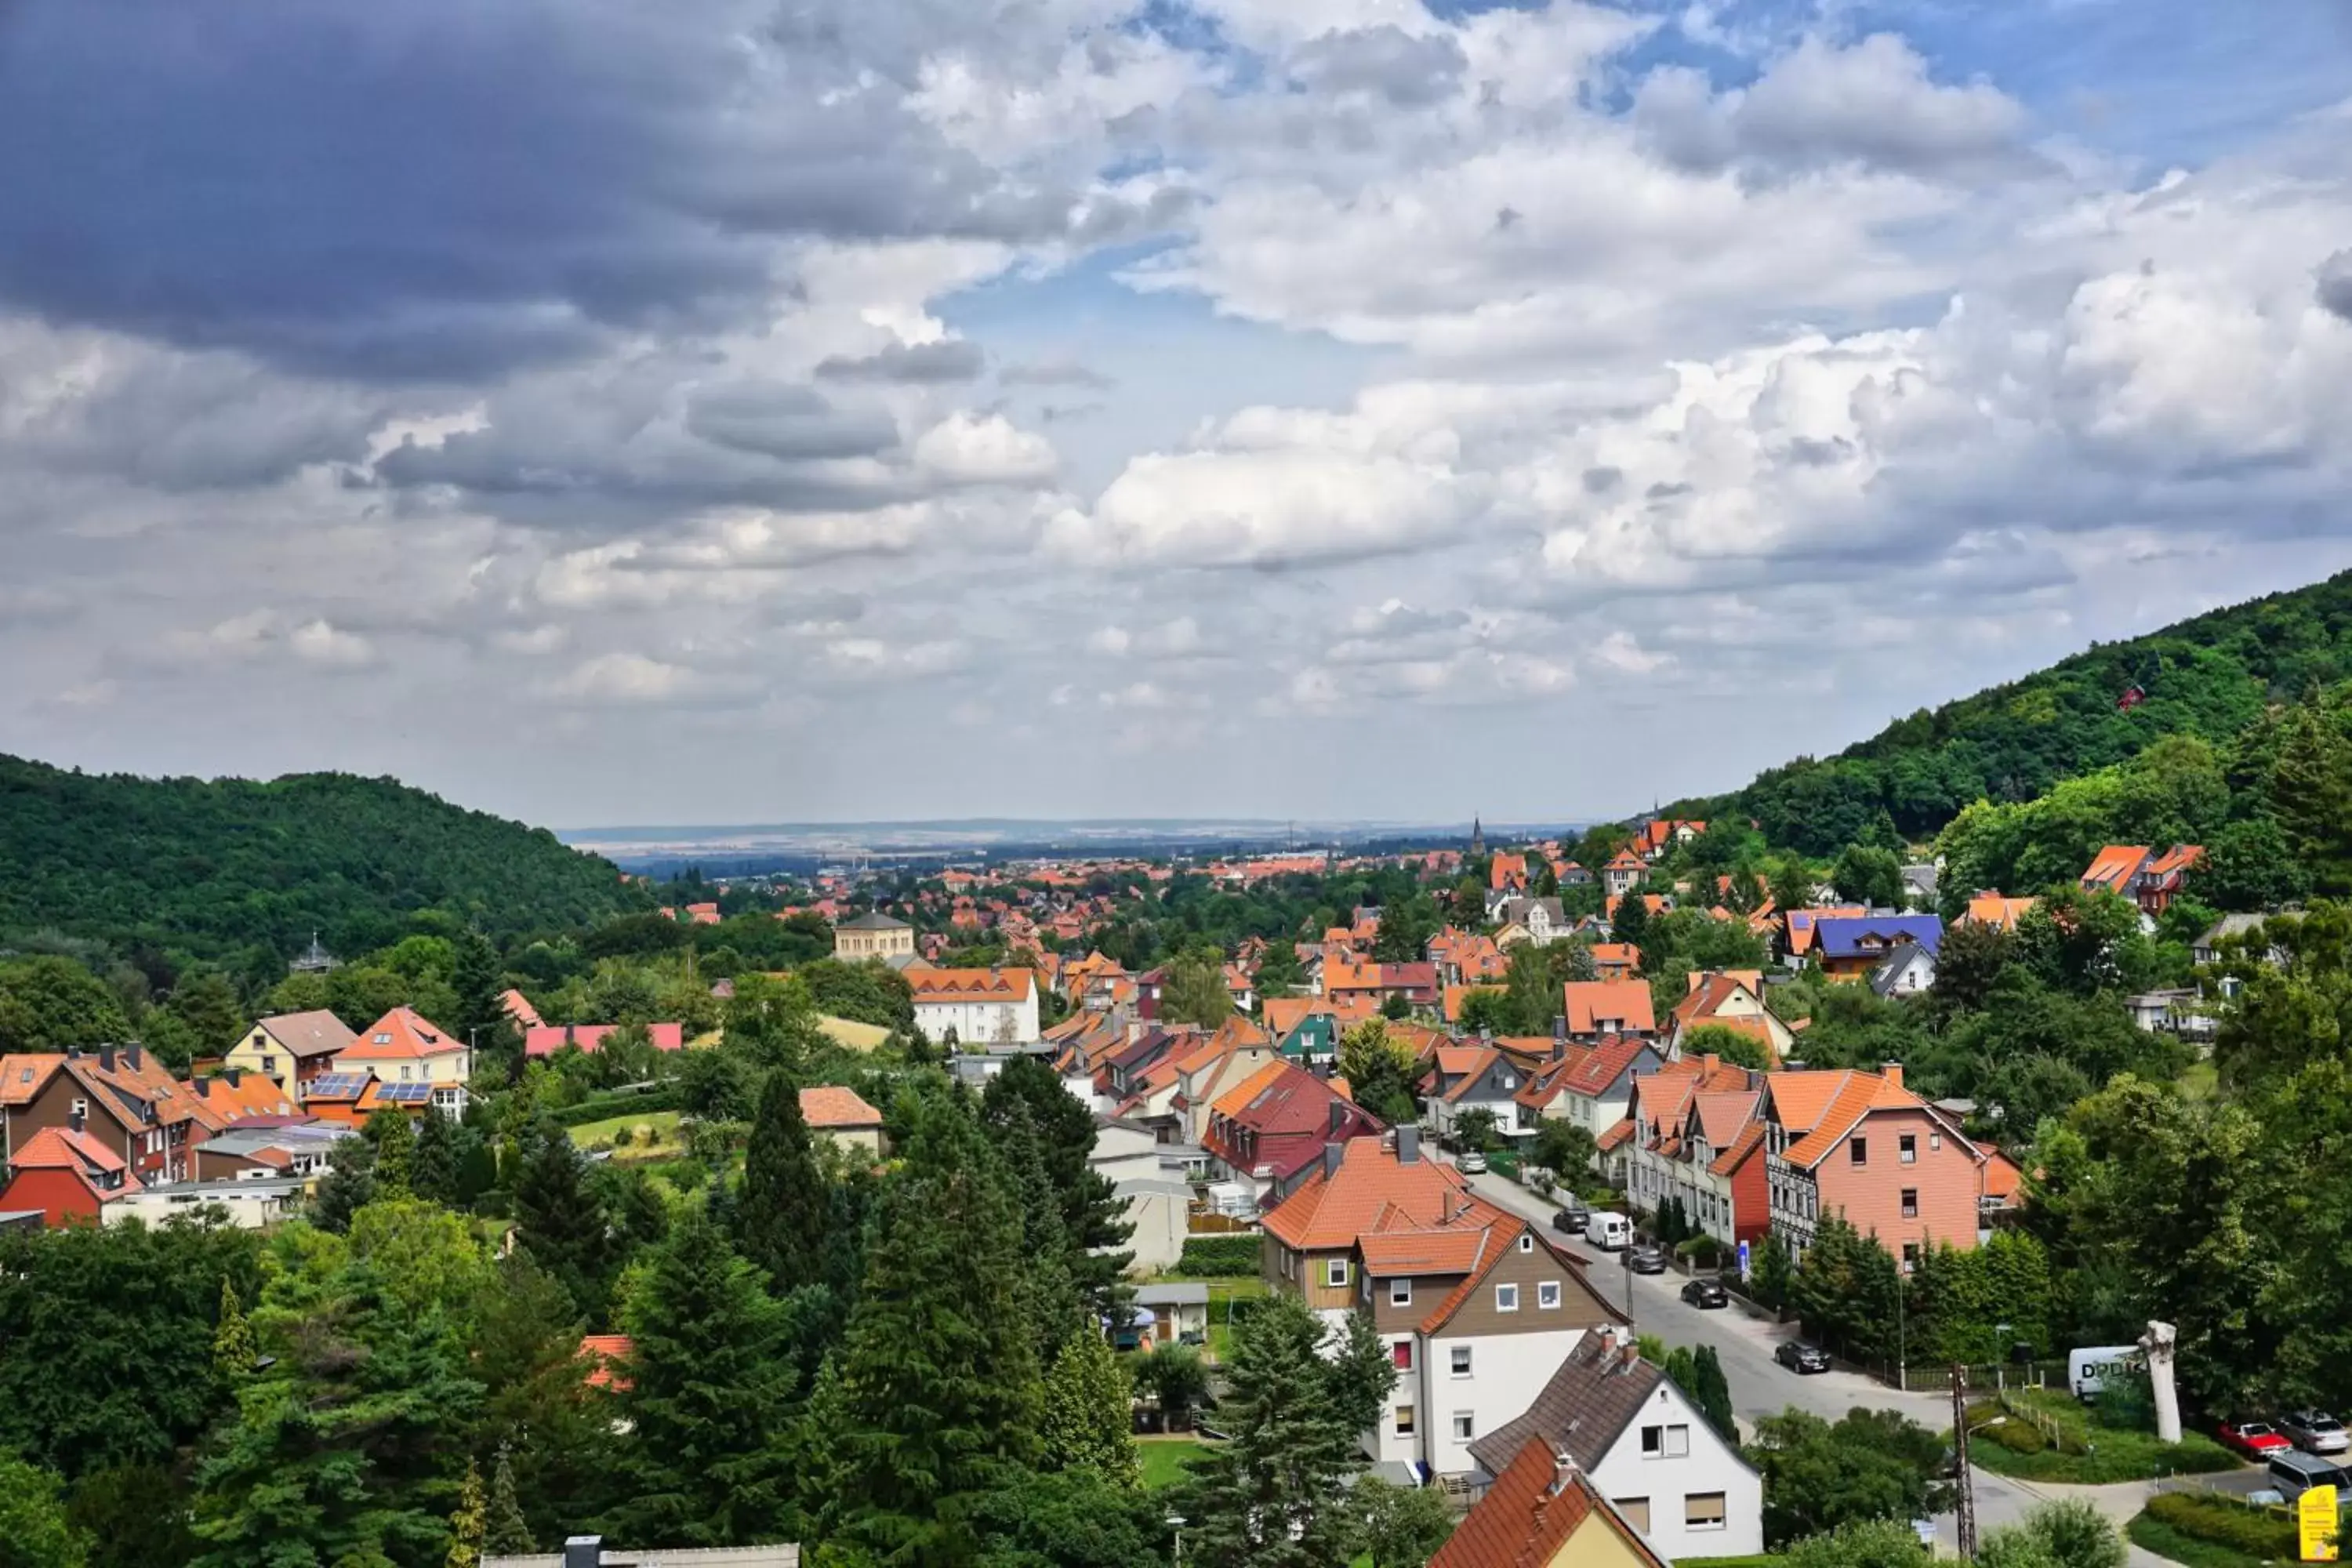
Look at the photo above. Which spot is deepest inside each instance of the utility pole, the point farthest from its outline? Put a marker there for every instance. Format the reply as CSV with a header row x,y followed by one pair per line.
x,y
1964,1502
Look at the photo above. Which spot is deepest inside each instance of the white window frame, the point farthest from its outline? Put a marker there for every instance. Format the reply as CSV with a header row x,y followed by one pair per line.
x,y
1548,1296
1457,1360
1506,1298
1335,1273
1465,1426
1404,1421
1526,1241
1400,1292
1722,1511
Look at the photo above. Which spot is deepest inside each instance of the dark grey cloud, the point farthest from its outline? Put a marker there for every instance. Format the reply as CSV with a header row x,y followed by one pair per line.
x,y
2335,284
788,421
1385,61
441,188
929,365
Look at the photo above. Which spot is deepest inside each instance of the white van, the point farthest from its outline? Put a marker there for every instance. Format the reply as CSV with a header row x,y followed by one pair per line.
x,y
1609,1232
2092,1368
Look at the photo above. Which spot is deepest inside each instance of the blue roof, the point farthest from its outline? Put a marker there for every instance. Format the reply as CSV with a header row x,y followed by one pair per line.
x,y
1858,936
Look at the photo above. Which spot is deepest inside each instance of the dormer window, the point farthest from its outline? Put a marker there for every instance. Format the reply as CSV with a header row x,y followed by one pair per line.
x,y
382,1039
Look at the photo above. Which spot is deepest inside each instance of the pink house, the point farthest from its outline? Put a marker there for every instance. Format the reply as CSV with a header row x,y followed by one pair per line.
x,y
1860,1144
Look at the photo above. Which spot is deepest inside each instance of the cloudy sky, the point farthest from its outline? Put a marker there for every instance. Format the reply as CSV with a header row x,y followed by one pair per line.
x,y
606,411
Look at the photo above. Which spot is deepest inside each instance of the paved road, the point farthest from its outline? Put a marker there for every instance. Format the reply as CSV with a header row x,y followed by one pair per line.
x,y
1761,1386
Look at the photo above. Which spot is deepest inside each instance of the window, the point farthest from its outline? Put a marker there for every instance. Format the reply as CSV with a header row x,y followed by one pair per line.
x,y
1906,1149
1665,1442
1289,1265
1404,1421
1935,1141
383,1040
1526,1241
269,1064
1400,1292
1401,1353
1910,1202
1460,1355
1910,1255
1335,1271
1547,1295
1703,1511
1462,1425
1506,1298
81,1108
1860,1148
1636,1510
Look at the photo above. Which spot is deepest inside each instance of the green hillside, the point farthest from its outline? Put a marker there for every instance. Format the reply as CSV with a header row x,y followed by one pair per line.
x,y
215,866
2213,677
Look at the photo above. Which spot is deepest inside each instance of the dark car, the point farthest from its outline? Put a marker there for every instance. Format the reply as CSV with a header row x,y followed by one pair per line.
x,y
1570,1219
1800,1357
1705,1293
1646,1259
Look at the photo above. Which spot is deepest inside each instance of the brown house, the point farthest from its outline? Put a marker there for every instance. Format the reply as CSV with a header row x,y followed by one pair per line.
x,y
122,1097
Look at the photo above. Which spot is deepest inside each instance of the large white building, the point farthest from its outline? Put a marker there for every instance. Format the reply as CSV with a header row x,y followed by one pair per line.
x,y
1645,1447
977,1006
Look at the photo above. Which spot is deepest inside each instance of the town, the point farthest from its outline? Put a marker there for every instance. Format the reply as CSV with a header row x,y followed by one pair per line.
x,y
1652,1193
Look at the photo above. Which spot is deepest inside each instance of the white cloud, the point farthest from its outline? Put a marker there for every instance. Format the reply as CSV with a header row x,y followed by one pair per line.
x,y
625,679
321,642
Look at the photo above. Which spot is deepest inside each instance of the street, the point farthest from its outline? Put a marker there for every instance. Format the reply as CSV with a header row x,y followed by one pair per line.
x,y
1761,1386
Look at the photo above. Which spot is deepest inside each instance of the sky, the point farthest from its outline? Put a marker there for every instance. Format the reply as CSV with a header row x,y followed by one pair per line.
x,y
604,411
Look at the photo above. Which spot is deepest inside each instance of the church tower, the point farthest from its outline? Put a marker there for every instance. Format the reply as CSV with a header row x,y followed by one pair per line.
x,y
1477,840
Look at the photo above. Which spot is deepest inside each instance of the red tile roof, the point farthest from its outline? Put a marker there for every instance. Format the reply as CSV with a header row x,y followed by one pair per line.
x,y
2114,866
1602,1063
828,1106
549,1038
1373,1191
402,1035
610,1353
1531,1512
1588,1001
971,984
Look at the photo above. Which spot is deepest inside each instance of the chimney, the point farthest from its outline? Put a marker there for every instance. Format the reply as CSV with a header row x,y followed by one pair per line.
x,y
1563,1470
235,1075
1408,1145
1332,1155
1339,1113
204,1086
1697,978
75,1121
134,1056
1893,1072
584,1551
105,1059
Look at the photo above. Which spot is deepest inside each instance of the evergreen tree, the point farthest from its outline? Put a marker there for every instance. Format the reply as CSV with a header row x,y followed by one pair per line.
x,y
1275,1495
348,1186
932,1399
783,1210
468,1522
1089,1418
2310,792
433,1173
709,1400
481,1018
504,1533
1047,1286
1774,1272
558,1220
133,1516
395,1152
34,1532
1713,1393
233,1351
1098,1229
1631,922
554,1443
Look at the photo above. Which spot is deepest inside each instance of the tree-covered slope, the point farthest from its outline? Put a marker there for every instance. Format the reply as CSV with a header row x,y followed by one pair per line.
x,y
213,867
2210,676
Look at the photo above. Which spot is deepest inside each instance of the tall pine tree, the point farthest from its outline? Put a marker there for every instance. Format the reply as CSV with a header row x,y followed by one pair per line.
x,y
558,1220
1090,1206
783,1209
709,1400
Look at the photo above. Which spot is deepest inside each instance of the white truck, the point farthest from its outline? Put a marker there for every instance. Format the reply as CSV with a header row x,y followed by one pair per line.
x,y
1609,1232
2091,1368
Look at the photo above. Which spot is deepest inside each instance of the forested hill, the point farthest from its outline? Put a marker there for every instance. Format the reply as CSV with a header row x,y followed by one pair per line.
x,y
216,868
2208,677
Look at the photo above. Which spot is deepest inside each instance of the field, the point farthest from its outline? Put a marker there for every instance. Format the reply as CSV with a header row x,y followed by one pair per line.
x,y
1164,1459
662,1125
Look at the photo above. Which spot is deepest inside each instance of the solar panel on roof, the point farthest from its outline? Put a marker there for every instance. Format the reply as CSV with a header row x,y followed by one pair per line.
x,y
338,1085
405,1093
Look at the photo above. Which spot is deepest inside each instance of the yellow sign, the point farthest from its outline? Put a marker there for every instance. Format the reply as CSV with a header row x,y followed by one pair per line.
x,y
2315,1512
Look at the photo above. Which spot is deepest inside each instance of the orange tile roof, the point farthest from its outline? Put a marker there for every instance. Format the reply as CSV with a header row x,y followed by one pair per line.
x,y
1617,953
1801,1097
1471,1074
1455,1059
402,1035
1530,1513
828,1105
1990,909
1617,1134
1750,1138
63,1148
1373,1189
2001,1176
1801,923
971,984
1448,1249
1628,1000
1602,1063
1234,1100
24,1074
1724,1114
2114,866
609,1352
1861,1093
1284,1013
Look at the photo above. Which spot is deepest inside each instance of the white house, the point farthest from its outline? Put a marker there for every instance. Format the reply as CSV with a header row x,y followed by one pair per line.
x,y
248,1203
1645,1447
1908,971
978,1007
1476,1077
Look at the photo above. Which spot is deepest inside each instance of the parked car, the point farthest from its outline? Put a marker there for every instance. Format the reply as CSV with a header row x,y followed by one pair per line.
x,y
1608,1231
1646,1258
2315,1432
1800,1357
1473,1162
2290,1473
1706,1293
1570,1219
2255,1439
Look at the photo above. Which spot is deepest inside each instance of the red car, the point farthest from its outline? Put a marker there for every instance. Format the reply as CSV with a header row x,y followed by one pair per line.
x,y
2255,1439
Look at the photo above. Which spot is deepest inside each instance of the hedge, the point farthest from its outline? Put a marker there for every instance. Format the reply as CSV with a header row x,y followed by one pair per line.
x,y
600,1107
1216,1257
2256,1533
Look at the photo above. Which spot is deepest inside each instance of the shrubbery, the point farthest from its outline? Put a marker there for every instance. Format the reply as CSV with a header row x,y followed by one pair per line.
x,y
2257,1532
1209,1257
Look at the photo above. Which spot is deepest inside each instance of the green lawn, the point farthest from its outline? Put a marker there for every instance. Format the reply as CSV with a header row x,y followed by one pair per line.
x,y
2154,1535
1164,1459
663,1144
1221,1295
2093,1454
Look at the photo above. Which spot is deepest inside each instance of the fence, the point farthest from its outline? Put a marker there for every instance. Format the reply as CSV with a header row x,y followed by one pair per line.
x,y
1202,1221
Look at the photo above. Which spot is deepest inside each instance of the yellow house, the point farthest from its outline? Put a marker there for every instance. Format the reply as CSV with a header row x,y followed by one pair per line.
x,y
1543,1513
841,1115
290,1049
873,936
405,1046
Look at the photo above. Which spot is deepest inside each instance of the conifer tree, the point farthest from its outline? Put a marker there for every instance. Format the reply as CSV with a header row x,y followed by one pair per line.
x,y
348,1186
433,1167
1089,1412
233,1351
931,1401
782,1211
710,1399
468,1522
1713,1393
1275,1495
1047,1281
504,1533
1090,1206
557,1218
395,1152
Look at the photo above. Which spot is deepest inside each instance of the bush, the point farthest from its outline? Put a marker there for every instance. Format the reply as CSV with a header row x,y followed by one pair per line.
x,y
1700,1251
2257,1532
601,1107
1215,1256
2017,1436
